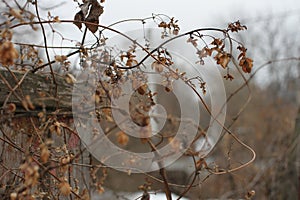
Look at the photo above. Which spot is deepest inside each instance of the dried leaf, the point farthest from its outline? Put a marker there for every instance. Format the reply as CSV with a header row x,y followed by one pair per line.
x,y
222,59
162,25
93,16
142,89
201,163
64,161
217,42
243,51
175,143
92,27
13,196
250,194
45,153
85,195
31,173
236,26
229,76
6,34
78,17
157,66
60,58
55,128
27,103
7,53
145,196
175,32
116,92
169,87
100,190
193,41
246,64
56,19
122,138
70,78
96,9
16,13
64,188
10,108
90,11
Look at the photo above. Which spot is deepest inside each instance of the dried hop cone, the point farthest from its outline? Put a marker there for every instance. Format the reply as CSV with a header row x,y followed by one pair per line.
x,y
7,53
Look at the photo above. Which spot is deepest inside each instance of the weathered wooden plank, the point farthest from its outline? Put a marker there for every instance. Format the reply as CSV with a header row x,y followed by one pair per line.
x,y
39,87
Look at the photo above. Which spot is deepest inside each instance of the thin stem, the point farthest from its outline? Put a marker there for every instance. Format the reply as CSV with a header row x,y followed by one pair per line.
x,y
46,50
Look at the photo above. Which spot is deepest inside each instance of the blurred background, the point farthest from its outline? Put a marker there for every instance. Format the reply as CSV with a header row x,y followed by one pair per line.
x,y
268,124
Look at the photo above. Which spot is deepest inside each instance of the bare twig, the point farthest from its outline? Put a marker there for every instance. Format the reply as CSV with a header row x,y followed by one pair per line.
x,y
46,49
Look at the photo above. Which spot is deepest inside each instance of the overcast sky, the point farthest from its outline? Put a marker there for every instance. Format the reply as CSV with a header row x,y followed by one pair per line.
x,y
191,13
196,13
